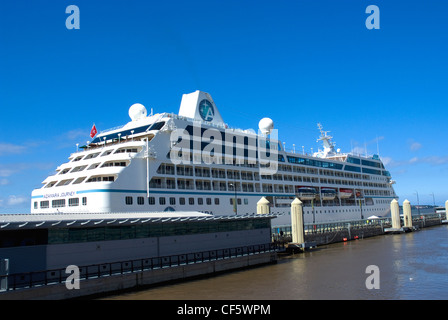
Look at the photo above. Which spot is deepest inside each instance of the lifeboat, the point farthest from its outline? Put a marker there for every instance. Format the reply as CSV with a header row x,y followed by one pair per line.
x,y
345,193
306,193
327,194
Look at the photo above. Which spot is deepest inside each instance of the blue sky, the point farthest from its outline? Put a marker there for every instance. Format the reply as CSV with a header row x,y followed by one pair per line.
x,y
298,62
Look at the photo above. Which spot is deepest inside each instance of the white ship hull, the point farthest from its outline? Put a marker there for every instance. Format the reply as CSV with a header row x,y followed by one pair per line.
x,y
132,169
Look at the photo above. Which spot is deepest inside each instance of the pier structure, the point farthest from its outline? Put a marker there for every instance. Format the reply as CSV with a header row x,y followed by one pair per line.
x,y
124,251
340,231
407,214
263,206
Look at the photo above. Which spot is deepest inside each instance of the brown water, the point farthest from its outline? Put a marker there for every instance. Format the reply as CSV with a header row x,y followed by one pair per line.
x,y
411,266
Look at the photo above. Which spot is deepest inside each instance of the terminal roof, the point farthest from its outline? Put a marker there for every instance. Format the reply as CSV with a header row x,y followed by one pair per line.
x,y
71,220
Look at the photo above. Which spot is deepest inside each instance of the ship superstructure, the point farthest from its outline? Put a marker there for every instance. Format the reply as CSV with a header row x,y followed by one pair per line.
x,y
193,161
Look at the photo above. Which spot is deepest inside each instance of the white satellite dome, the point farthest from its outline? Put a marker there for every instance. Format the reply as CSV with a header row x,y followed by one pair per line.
x,y
137,111
266,125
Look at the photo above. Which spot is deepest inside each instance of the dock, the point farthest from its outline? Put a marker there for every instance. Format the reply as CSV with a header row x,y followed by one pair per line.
x,y
343,231
67,256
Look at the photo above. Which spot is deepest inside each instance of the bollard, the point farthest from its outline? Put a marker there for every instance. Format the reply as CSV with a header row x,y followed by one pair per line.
x,y
395,214
446,209
407,213
297,221
263,206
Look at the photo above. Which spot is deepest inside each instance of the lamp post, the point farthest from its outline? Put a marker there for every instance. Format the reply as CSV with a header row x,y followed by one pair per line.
x,y
433,199
418,202
235,204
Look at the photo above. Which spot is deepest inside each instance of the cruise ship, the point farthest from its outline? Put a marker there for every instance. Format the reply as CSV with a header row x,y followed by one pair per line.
x,y
194,161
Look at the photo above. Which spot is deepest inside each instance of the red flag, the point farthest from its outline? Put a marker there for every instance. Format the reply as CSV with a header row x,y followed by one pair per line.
x,y
93,132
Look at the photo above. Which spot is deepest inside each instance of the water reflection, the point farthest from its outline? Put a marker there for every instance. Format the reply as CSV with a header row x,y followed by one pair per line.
x,y
412,266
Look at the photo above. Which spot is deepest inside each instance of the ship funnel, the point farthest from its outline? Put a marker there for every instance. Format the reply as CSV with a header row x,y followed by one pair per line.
x,y
200,106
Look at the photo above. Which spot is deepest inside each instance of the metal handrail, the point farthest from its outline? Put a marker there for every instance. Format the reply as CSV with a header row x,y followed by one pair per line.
x,y
58,276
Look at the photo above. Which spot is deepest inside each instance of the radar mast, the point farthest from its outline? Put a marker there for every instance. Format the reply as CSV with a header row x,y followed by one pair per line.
x,y
326,141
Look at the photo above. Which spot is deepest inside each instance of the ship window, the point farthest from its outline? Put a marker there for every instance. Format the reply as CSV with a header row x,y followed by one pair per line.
x,y
353,160
200,201
352,168
80,168
79,180
114,164
128,200
84,201
191,201
162,200
64,182
78,158
58,203
52,183
157,125
152,200
98,179
171,184
91,156
216,200
172,201
140,200
208,201
106,153
127,150
73,202
182,201
35,204
44,204
65,171
93,166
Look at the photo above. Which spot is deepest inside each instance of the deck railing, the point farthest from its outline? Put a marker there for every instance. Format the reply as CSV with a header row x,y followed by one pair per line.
x,y
58,276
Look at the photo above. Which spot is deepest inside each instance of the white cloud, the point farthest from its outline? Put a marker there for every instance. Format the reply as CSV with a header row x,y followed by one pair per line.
x,y
16,200
6,172
415,146
4,182
77,134
435,160
387,160
431,160
7,148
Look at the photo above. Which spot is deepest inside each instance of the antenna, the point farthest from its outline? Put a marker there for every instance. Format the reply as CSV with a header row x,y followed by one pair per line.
x,y
326,139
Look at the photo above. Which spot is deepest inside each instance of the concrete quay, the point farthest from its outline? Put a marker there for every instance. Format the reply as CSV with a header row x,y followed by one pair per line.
x,y
302,237
108,284
328,233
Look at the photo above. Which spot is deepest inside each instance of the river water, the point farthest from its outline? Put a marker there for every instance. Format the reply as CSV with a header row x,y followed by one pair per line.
x,y
410,266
